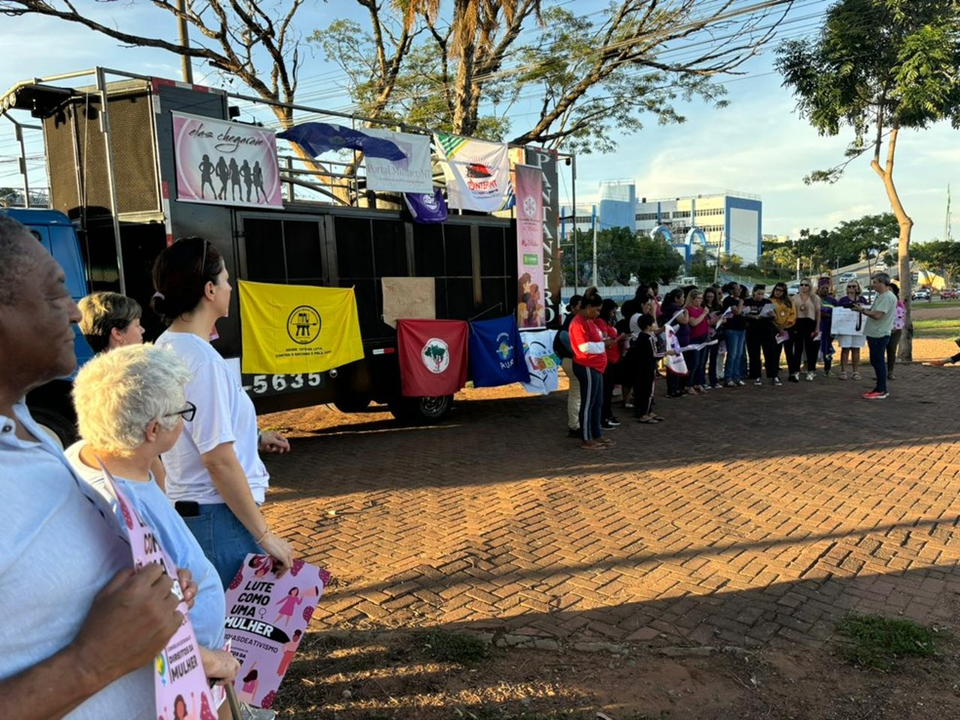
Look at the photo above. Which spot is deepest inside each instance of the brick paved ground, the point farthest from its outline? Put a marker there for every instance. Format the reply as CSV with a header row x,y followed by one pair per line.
x,y
750,515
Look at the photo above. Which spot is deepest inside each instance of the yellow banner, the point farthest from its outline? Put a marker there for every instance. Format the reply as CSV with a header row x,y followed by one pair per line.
x,y
291,329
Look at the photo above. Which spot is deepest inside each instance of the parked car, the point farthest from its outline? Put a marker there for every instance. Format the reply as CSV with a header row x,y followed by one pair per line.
x,y
949,294
921,295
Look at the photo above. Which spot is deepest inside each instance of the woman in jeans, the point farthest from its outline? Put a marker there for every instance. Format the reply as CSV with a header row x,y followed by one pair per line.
x,y
699,332
804,335
734,335
711,359
589,362
899,322
214,473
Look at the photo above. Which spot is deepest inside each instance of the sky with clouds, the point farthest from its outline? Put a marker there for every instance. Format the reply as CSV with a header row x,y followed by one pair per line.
x,y
757,145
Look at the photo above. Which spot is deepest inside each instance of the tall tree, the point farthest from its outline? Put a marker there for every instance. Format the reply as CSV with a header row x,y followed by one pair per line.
x,y
623,255
879,66
463,67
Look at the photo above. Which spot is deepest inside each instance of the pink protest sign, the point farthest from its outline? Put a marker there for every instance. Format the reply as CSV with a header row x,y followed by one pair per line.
x,y
182,691
266,619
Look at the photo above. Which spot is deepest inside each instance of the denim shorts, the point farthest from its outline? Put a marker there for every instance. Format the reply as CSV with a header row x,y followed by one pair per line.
x,y
223,538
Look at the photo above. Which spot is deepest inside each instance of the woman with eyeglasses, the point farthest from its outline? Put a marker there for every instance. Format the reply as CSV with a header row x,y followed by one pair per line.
x,y
850,345
131,408
804,334
785,317
214,473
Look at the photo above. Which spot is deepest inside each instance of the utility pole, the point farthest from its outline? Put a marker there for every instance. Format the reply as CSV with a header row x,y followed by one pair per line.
x,y
185,64
596,275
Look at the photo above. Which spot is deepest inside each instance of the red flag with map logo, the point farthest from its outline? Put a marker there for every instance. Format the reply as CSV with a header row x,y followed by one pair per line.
x,y
433,356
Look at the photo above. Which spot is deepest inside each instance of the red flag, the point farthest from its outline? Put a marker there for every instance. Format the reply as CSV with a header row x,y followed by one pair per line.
x,y
433,356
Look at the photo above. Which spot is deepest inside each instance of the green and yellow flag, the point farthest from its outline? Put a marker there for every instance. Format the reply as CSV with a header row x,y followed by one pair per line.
x,y
291,329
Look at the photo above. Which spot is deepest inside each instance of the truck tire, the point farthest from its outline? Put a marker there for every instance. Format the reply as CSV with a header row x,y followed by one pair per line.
x,y
58,427
352,404
421,410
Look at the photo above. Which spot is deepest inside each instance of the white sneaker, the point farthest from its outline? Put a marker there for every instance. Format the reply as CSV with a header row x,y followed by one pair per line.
x,y
810,377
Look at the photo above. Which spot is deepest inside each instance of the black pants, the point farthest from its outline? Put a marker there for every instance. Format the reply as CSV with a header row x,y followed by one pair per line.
x,y
892,350
802,336
610,376
763,341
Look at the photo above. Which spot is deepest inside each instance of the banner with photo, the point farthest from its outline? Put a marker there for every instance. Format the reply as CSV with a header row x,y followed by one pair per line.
x,y
477,172
547,162
530,290
297,328
543,363
496,353
411,174
224,163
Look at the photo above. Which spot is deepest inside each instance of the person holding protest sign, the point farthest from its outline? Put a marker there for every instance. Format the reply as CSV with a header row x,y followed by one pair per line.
x,y
216,478
130,409
81,627
850,345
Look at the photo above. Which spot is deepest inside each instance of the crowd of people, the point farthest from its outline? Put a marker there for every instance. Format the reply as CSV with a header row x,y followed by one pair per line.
x,y
713,338
172,424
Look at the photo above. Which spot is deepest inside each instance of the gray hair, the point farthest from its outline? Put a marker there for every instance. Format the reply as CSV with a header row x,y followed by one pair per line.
x,y
882,277
104,311
117,394
15,262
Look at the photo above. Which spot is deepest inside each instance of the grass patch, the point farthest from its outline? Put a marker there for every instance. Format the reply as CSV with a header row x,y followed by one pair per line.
x,y
939,328
876,642
442,646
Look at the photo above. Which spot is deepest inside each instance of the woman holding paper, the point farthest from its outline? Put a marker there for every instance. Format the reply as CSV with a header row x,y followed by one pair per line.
x,y
675,315
711,302
785,317
695,356
215,476
589,361
850,345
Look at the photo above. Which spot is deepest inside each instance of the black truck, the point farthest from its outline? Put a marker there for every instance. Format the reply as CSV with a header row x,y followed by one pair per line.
x,y
110,168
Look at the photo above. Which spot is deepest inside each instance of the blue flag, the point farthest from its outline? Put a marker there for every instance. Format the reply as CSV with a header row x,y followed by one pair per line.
x,y
317,138
426,207
496,353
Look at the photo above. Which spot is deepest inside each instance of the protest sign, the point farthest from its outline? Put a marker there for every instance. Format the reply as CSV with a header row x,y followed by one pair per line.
x,y
181,685
266,619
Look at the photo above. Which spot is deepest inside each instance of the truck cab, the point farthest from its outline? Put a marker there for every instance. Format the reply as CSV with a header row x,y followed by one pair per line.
x,y
51,405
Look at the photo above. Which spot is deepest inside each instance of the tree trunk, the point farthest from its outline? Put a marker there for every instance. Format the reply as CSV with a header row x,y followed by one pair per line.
x,y
905,353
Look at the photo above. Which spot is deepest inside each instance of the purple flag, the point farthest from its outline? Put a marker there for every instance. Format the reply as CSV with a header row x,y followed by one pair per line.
x,y
316,138
427,207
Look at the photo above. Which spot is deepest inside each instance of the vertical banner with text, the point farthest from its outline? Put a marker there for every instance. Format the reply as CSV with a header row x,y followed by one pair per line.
x,y
225,163
530,283
546,160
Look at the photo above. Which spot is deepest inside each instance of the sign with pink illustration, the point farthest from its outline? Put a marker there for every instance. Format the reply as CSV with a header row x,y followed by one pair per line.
x,y
266,619
181,686
528,183
225,163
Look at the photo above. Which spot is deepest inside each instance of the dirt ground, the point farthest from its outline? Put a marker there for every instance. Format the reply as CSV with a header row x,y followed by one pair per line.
x,y
366,673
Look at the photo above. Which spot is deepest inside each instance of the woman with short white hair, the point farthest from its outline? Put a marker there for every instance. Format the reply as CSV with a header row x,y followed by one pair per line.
x,y
130,408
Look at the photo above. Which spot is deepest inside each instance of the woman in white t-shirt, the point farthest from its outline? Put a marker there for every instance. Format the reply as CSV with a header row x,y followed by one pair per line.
x,y
214,473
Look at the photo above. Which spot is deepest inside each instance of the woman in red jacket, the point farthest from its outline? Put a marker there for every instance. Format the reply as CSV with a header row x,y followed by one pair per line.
x,y
589,362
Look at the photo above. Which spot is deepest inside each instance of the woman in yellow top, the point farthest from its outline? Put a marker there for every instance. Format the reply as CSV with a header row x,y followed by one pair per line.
x,y
805,334
785,317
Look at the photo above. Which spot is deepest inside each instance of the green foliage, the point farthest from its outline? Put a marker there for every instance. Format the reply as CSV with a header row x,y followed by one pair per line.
x,y
595,75
877,642
939,255
849,242
443,646
622,255
877,66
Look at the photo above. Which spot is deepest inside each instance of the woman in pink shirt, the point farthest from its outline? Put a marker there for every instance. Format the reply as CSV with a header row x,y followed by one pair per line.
x,y
589,362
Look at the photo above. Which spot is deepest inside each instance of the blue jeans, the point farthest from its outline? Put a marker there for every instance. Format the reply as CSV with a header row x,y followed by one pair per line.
x,y
591,401
223,538
735,340
878,358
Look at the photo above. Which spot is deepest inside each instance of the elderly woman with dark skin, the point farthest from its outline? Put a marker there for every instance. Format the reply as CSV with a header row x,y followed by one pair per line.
x,y
215,476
